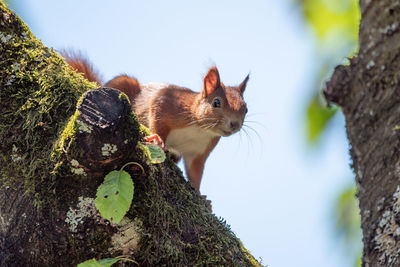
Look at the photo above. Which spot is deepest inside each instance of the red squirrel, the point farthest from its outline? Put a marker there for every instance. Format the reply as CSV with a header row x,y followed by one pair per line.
x,y
190,124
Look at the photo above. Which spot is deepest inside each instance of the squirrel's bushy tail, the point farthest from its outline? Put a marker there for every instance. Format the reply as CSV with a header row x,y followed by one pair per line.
x,y
80,63
126,84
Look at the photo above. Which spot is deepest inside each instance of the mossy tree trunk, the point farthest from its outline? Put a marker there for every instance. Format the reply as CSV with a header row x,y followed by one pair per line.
x,y
53,157
368,91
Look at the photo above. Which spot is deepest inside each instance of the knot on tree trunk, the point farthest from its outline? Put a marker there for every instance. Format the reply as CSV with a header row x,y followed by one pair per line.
x,y
53,157
102,133
337,89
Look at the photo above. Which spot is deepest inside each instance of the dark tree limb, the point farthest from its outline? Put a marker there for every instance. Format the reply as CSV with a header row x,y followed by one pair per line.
x,y
57,145
103,133
367,91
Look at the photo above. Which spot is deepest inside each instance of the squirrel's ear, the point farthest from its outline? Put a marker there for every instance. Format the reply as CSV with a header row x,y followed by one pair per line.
x,y
242,86
211,81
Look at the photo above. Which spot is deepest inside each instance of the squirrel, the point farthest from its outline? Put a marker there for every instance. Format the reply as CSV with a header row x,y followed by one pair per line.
x,y
190,124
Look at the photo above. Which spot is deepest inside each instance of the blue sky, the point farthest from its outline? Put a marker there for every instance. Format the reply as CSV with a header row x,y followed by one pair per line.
x,y
276,194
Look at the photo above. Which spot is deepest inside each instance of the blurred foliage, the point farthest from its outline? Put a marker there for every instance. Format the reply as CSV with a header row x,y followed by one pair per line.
x,y
348,220
347,215
335,24
317,118
333,16
7,2
358,261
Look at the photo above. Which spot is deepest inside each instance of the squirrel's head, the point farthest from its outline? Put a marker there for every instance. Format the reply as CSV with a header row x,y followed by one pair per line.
x,y
222,108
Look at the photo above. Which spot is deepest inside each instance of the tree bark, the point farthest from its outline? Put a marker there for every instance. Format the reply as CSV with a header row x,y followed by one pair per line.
x,y
368,92
56,147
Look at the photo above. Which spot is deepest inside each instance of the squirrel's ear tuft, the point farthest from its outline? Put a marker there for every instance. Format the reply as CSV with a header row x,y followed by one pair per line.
x,y
211,81
242,86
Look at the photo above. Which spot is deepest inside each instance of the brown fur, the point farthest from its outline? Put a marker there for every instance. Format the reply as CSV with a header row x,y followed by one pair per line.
x,y
165,108
195,170
129,85
81,65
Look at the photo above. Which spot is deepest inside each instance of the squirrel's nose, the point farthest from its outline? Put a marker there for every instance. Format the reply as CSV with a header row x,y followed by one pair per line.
x,y
234,125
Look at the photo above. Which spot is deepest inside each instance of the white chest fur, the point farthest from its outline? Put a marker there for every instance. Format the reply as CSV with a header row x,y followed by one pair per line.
x,y
189,142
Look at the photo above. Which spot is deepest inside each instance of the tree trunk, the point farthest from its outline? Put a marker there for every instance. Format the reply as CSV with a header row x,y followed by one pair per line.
x,y
368,92
53,156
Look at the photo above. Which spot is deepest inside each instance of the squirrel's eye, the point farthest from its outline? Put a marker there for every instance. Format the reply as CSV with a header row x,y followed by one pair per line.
x,y
216,103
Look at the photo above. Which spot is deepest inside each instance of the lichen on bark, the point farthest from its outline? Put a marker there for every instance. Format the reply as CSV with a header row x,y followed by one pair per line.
x,y
38,95
367,90
44,189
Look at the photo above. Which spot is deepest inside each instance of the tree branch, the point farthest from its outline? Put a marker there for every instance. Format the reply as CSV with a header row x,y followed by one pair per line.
x,y
53,157
367,91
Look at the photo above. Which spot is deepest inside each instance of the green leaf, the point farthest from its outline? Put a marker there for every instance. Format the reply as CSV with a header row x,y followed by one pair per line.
x,y
348,223
100,263
318,117
327,16
156,153
347,215
114,196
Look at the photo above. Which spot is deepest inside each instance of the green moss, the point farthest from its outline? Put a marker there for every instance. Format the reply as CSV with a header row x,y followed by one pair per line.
x,y
144,131
99,242
38,122
168,208
68,134
38,94
142,152
248,255
124,97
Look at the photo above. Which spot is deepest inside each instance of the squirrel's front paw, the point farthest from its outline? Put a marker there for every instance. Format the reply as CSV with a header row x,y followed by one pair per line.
x,y
154,139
